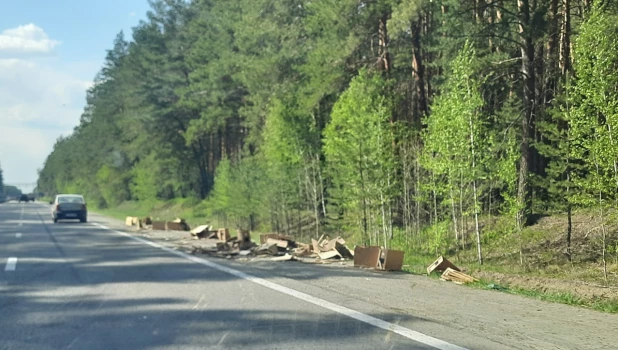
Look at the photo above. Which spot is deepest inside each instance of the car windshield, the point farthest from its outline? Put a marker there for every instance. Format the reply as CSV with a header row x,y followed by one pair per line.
x,y
70,199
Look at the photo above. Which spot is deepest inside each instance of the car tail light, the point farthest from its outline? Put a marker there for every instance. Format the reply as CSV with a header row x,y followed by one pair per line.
x,y
57,207
83,206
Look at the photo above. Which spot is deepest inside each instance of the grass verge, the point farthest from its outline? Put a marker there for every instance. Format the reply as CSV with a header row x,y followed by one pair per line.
x,y
609,306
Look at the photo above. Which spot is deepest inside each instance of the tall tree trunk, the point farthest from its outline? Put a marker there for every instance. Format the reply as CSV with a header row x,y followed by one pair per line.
x,y
384,58
551,54
564,61
454,214
527,120
418,71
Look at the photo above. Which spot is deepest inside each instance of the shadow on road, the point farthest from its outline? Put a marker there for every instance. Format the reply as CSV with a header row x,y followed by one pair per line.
x,y
87,288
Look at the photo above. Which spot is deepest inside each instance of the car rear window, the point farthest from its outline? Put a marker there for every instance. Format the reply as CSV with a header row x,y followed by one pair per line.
x,y
70,199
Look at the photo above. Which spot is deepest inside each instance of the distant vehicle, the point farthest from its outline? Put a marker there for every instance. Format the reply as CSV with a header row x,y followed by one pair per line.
x,y
24,198
69,206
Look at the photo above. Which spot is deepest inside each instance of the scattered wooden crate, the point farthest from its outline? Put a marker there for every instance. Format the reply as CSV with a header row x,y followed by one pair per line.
x,y
456,276
440,265
378,258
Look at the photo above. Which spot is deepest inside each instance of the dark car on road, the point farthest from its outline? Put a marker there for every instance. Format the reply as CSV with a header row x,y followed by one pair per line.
x,y
24,198
69,206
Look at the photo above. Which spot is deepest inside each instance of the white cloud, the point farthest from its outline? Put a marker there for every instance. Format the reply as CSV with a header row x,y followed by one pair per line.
x,y
38,103
26,40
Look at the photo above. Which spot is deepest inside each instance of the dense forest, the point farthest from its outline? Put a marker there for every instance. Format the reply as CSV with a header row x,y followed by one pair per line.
x,y
392,121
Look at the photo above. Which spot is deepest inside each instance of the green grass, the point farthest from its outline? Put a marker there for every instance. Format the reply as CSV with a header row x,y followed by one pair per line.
x,y
609,306
414,262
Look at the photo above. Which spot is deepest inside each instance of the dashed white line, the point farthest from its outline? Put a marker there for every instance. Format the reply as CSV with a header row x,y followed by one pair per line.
x,y
18,235
376,322
11,264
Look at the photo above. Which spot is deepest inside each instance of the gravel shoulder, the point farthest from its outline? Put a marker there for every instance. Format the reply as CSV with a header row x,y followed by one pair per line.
x,y
465,314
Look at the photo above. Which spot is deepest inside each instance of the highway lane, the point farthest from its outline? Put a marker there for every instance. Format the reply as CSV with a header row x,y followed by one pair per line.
x,y
81,286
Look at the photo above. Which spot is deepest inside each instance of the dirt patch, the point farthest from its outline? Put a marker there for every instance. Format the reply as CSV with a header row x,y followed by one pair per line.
x,y
578,289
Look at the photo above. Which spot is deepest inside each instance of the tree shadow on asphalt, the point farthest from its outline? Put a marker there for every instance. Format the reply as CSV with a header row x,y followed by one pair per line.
x,y
60,297
92,322
99,256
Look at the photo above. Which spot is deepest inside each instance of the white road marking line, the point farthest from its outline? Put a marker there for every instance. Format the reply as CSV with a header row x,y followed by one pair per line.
x,y
18,235
11,264
376,322
20,224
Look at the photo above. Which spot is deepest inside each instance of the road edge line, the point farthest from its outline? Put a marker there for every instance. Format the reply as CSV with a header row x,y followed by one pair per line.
x,y
376,322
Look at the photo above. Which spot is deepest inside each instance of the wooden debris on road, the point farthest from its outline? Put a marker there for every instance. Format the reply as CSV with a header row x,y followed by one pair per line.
x,y
286,257
264,238
391,260
378,258
440,265
202,231
177,225
343,251
329,255
270,249
303,250
131,221
244,239
279,243
159,225
456,276
223,234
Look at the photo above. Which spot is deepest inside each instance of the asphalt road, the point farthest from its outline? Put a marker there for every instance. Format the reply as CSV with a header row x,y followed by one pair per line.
x,y
84,286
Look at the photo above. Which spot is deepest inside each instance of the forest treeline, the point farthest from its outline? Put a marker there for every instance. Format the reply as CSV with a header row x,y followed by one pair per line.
x,y
392,120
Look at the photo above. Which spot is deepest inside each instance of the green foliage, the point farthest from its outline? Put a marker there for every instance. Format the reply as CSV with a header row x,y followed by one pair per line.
x,y
593,119
113,185
374,120
359,155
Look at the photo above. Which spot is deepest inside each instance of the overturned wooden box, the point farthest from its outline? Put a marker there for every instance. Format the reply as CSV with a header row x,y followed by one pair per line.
x,y
378,258
440,265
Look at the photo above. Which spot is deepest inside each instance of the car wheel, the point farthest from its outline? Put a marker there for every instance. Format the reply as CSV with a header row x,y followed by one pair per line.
x,y
83,220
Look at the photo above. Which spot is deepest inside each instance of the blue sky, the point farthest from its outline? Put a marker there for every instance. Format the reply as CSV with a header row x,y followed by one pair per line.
x,y
50,52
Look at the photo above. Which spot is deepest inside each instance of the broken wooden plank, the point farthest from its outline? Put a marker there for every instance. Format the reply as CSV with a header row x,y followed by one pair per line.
x,y
329,255
330,245
266,248
280,243
201,232
343,251
440,265
286,257
315,246
456,276
264,237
